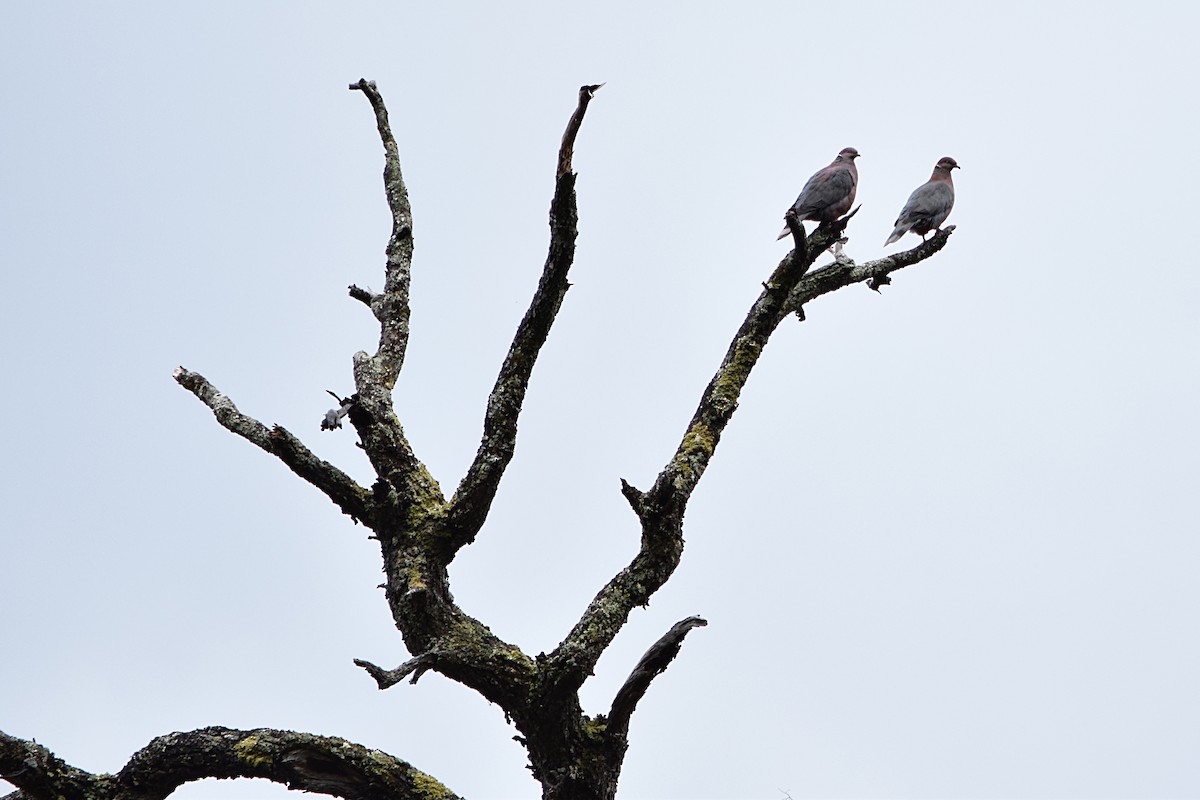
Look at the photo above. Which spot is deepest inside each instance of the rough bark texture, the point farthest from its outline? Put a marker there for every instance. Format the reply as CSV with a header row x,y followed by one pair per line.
x,y
574,756
320,764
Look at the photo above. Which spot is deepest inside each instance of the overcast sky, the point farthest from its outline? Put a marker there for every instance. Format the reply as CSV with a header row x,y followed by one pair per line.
x,y
947,547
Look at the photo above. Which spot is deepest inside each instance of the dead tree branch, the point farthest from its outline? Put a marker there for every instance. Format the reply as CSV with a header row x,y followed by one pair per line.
x,y
351,498
832,277
38,773
566,151
391,307
657,658
375,376
473,499
320,764
660,509
419,531
387,678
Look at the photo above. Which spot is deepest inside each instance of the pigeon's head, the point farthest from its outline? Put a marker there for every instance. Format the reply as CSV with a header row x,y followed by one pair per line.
x,y
848,154
947,163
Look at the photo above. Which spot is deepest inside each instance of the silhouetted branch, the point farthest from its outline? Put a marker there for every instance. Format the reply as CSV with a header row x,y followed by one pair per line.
x,y
633,496
339,487
567,150
656,659
362,295
39,773
473,499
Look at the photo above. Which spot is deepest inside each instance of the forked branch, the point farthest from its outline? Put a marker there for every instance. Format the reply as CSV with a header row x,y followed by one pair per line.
x,y
660,509
387,678
423,532
874,273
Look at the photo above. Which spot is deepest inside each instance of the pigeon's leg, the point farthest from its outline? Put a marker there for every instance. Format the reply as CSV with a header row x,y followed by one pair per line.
x,y
839,255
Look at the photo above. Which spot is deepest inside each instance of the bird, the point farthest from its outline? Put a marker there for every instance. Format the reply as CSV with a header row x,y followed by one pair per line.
x,y
830,192
928,205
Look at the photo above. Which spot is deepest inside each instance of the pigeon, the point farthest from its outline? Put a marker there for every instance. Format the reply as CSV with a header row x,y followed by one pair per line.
x,y
830,192
928,206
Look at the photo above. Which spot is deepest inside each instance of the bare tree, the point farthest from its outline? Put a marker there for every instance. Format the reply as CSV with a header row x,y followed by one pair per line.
x,y
574,756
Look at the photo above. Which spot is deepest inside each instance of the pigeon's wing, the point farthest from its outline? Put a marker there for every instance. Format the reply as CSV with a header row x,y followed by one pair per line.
x,y
930,204
828,188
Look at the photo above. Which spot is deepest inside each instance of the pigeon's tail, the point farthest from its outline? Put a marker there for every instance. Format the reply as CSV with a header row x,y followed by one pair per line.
x,y
896,234
785,232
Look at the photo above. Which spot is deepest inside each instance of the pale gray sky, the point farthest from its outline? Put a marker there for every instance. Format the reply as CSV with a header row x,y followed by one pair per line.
x,y
947,547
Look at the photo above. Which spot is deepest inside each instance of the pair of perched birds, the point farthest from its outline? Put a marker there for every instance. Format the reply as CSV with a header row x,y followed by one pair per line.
x,y
830,193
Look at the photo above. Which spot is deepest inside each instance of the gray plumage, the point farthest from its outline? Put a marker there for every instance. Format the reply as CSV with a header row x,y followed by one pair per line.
x,y
928,206
830,192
